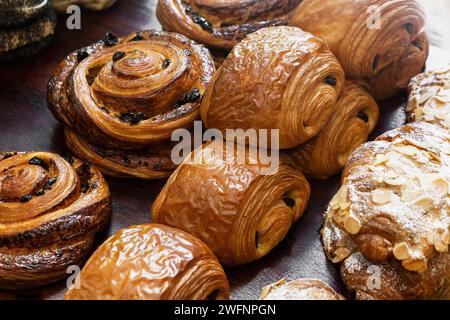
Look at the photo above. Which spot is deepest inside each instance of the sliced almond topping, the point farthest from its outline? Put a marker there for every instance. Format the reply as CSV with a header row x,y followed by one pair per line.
x,y
418,265
406,150
352,225
381,196
441,186
401,251
380,159
334,203
342,198
440,246
446,237
424,201
340,254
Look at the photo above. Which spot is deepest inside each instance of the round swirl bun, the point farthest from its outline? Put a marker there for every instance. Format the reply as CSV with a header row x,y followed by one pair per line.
x,y
151,262
221,24
276,78
120,99
238,211
50,211
355,118
384,57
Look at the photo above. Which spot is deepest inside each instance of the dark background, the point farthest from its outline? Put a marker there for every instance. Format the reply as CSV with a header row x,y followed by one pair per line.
x,y
26,124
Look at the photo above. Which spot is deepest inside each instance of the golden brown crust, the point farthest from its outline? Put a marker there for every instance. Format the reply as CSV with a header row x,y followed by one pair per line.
x,y
151,262
301,289
130,94
238,212
355,118
222,24
50,211
384,58
277,78
394,200
429,98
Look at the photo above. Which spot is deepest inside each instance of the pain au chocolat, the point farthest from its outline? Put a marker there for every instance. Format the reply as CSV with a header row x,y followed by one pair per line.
x,y
50,210
380,43
276,78
151,262
26,27
120,99
392,212
356,116
429,98
301,289
221,24
240,208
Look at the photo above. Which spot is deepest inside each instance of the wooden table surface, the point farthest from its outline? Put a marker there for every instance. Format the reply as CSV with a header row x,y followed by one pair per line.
x,y
26,124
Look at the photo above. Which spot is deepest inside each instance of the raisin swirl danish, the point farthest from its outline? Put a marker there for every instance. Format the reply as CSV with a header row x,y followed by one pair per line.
x,y
240,208
220,24
276,78
26,27
355,118
50,211
301,289
392,209
429,98
120,99
383,57
151,262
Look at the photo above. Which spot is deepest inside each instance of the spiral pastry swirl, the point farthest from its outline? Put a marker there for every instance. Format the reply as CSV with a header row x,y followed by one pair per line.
x,y
276,78
221,24
385,56
326,154
238,212
120,99
50,210
151,262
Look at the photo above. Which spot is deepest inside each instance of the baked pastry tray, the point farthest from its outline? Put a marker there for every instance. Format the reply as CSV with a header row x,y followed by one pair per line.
x,y
26,124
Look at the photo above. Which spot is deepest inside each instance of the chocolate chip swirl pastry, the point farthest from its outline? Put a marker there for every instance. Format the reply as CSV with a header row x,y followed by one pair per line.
x,y
151,262
26,27
380,43
392,209
120,99
97,5
50,210
276,78
429,98
301,289
355,118
220,24
240,206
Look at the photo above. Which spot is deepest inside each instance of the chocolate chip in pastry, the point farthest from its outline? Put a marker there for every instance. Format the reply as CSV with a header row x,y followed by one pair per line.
x,y
394,200
384,57
219,24
50,210
429,98
120,99
62,5
356,116
240,208
276,78
151,262
301,289
26,27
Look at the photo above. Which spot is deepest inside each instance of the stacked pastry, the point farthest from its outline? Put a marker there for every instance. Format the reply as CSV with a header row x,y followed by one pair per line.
x,y
220,24
286,79
151,262
380,43
120,99
62,5
51,208
26,27
388,225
